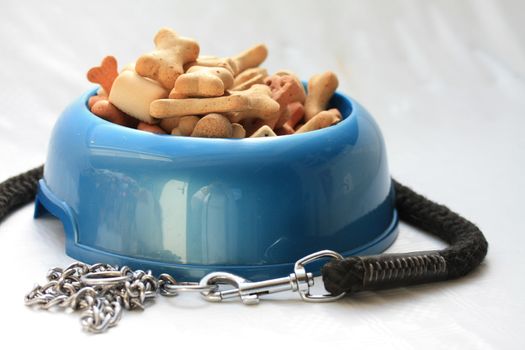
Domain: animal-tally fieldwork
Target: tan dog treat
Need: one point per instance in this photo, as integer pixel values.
(133, 94)
(105, 74)
(261, 105)
(250, 58)
(222, 73)
(105, 110)
(238, 131)
(167, 108)
(201, 81)
(296, 112)
(94, 99)
(264, 131)
(167, 61)
(213, 61)
(168, 124)
(150, 128)
(321, 87)
(213, 125)
(187, 124)
(176, 132)
(321, 120)
(249, 77)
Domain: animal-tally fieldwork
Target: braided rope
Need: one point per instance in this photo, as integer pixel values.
(19, 190)
(467, 249)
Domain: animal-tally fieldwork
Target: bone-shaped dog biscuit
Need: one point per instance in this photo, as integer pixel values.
(321, 120)
(249, 77)
(105, 74)
(201, 81)
(213, 61)
(105, 110)
(321, 87)
(133, 94)
(252, 103)
(166, 62)
(250, 58)
(168, 108)
(261, 105)
(285, 90)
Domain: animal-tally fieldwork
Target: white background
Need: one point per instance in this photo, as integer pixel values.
(445, 81)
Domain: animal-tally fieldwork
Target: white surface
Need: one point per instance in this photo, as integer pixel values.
(445, 81)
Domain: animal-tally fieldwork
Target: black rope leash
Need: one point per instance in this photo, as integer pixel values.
(467, 249)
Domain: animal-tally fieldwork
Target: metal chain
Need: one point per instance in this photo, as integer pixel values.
(102, 291)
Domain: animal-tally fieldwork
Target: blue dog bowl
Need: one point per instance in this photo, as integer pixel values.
(189, 206)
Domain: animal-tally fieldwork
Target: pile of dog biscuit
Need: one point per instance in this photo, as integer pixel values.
(173, 90)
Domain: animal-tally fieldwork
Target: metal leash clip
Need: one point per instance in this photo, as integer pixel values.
(299, 281)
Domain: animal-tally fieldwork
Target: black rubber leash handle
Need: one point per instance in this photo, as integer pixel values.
(467, 250)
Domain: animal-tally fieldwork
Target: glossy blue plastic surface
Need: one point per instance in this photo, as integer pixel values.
(189, 206)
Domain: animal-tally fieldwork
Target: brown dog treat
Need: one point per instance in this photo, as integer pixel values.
(213, 125)
(285, 90)
(264, 131)
(167, 108)
(258, 79)
(321, 120)
(238, 131)
(94, 99)
(213, 61)
(321, 87)
(249, 77)
(286, 87)
(201, 81)
(222, 73)
(284, 130)
(168, 124)
(284, 72)
(296, 112)
(150, 128)
(187, 124)
(166, 62)
(105, 110)
(261, 105)
(250, 58)
(105, 74)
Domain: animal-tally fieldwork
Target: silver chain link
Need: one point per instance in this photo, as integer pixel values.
(101, 291)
